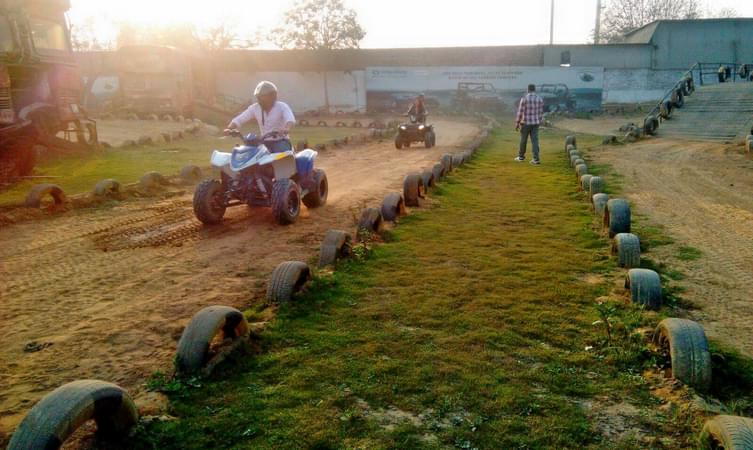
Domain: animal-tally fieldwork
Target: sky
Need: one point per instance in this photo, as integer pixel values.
(388, 23)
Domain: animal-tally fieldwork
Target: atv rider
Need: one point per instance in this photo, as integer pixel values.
(275, 118)
(418, 109)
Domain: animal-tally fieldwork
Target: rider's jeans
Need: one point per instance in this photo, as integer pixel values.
(283, 145)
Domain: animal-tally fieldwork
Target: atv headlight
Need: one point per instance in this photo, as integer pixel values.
(402, 127)
(421, 127)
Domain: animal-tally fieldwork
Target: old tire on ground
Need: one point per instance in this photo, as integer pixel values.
(303, 123)
(569, 148)
(650, 125)
(580, 170)
(321, 123)
(190, 174)
(427, 176)
(574, 152)
(571, 140)
(336, 245)
(574, 158)
(151, 181)
(287, 279)
(457, 160)
(688, 349)
(446, 162)
(318, 196)
(371, 220)
(57, 416)
(393, 207)
(286, 201)
(596, 186)
(578, 161)
(728, 432)
(438, 171)
(627, 248)
(599, 203)
(194, 345)
(645, 288)
(39, 192)
(617, 217)
(107, 188)
(413, 189)
(209, 202)
(584, 182)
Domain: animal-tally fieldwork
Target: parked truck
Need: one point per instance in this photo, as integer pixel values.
(40, 86)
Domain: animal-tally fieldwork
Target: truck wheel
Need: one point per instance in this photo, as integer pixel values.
(627, 247)
(318, 196)
(287, 279)
(688, 349)
(209, 202)
(728, 432)
(336, 245)
(617, 217)
(413, 189)
(393, 207)
(286, 201)
(40, 191)
(212, 324)
(59, 414)
(645, 288)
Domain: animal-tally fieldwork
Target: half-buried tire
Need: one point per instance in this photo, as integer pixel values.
(151, 181)
(627, 248)
(427, 176)
(574, 152)
(457, 160)
(571, 140)
(212, 325)
(413, 189)
(569, 148)
(688, 349)
(371, 221)
(190, 174)
(595, 186)
(287, 279)
(599, 203)
(617, 217)
(393, 207)
(336, 245)
(59, 414)
(575, 157)
(438, 172)
(585, 181)
(728, 432)
(580, 170)
(107, 188)
(446, 162)
(39, 192)
(645, 288)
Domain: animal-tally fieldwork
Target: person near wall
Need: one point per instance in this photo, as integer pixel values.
(722, 73)
(530, 116)
(744, 72)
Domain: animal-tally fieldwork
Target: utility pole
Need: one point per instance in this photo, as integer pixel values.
(551, 26)
(597, 28)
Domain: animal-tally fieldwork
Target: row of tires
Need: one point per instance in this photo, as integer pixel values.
(683, 89)
(212, 333)
(166, 136)
(376, 125)
(154, 117)
(47, 193)
(682, 342)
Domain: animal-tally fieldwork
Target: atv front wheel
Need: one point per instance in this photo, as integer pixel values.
(320, 189)
(209, 202)
(430, 139)
(286, 201)
(398, 143)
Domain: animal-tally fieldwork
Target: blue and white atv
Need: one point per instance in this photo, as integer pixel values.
(254, 176)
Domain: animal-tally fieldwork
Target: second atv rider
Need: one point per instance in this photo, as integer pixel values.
(418, 109)
(275, 118)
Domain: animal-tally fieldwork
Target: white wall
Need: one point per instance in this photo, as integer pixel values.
(637, 85)
(303, 91)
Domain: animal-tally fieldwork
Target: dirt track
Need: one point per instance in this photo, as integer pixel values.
(701, 193)
(111, 289)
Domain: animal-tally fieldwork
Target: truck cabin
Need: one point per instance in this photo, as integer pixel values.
(154, 80)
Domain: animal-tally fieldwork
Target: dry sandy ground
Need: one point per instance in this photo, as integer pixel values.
(701, 193)
(599, 125)
(116, 131)
(111, 289)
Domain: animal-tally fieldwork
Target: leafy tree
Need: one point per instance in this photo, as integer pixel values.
(622, 16)
(84, 37)
(319, 25)
(220, 36)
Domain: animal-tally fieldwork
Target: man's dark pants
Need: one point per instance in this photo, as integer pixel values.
(533, 131)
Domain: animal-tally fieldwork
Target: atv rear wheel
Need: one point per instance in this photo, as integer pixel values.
(209, 202)
(320, 189)
(286, 201)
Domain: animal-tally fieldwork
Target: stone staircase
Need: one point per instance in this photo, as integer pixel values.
(718, 112)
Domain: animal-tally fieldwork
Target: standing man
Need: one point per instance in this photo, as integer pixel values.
(530, 116)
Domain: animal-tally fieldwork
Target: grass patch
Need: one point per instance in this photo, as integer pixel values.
(687, 253)
(474, 326)
(78, 174)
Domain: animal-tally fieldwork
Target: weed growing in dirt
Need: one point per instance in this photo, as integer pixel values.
(687, 253)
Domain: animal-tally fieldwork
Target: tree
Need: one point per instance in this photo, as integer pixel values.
(623, 16)
(220, 36)
(724, 13)
(84, 37)
(319, 25)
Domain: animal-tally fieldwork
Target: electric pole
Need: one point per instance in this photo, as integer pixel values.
(597, 28)
(551, 25)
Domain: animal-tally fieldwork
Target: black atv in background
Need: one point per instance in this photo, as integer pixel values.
(416, 130)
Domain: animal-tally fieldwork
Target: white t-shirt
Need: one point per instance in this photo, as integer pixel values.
(277, 119)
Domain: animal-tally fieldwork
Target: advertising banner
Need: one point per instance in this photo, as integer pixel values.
(483, 88)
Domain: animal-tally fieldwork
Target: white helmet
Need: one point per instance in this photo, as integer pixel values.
(265, 88)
